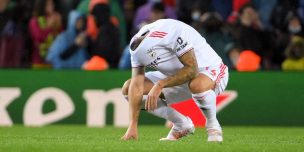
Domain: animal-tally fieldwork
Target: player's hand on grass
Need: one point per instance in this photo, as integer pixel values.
(131, 134)
(153, 96)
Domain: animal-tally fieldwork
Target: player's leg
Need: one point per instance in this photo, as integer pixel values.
(162, 109)
(205, 97)
(184, 125)
(203, 92)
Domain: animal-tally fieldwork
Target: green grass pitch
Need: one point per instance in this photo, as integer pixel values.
(80, 138)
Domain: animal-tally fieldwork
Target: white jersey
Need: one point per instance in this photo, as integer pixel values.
(168, 40)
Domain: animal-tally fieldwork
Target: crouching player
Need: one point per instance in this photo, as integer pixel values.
(186, 67)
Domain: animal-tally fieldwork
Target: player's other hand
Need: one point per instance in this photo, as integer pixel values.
(153, 96)
(131, 134)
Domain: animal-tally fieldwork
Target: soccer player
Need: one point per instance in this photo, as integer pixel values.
(185, 67)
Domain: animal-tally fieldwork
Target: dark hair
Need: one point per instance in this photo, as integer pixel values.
(158, 7)
(291, 15)
(213, 21)
(248, 5)
(101, 13)
(40, 5)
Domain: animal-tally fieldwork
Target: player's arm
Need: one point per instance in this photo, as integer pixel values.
(135, 94)
(187, 73)
(136, 90)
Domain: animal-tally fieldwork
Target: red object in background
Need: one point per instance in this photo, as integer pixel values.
(248, 61)
(96, 63)
(238, 4)
(190, 109)
(170, 3)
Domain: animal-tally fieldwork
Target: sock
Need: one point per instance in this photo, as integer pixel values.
(207, 102)
(166, 112)
(179, 121)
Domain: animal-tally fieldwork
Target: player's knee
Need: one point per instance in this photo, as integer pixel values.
(199, 85)
(196, 87)
(125, 87)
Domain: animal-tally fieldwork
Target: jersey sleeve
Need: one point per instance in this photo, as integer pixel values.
(135, 62)
(182, 43)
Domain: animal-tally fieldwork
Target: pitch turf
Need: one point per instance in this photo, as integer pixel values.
(80, 138)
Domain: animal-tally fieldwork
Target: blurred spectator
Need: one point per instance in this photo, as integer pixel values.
(280, 13)
(11, 40)
(107, 43)
(157, 12)
(67, 51)
(44, 26)
(129, 11)
(64, 8)
(301, 9)
(236, 6)
(249, 35)
(85, 6)
(265, 8)
(248, 29)
(117, 17)
(116, 11)
(234, 55)
(196, 13)
(14, 48)
(294, 54)
(215, 34)
(23, 14)
(125, 59)
(223, 7)
(292, 27)
(28, 28)
(190, 10)
(4, 13)
(143, 13)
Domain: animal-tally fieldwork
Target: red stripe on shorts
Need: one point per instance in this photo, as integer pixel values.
(221, 74)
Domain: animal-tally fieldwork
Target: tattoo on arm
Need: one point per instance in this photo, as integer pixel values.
(187, 73)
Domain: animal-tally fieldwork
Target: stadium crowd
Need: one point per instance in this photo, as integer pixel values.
(249, 35)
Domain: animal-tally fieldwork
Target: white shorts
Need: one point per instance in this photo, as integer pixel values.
(218, 73)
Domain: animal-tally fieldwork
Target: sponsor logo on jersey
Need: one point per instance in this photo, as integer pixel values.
(151, 52)
(158, 34)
